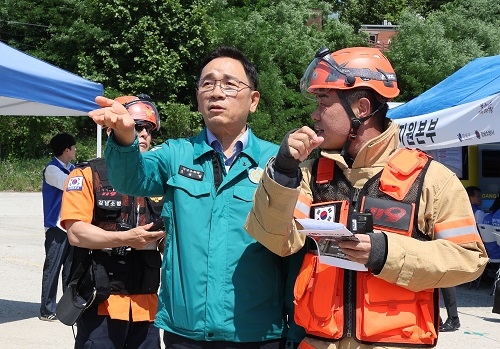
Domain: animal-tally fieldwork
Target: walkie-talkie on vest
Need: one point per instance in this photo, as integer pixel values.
(361, 223)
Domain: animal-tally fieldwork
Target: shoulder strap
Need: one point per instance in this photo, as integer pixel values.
(401, 171)
(82, 164)
(99, 165)
(324, 170)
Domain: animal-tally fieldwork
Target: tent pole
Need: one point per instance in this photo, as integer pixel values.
(99, 141)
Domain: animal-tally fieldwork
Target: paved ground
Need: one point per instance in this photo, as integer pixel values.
(21, 263)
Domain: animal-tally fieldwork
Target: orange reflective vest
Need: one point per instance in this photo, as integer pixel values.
(332, 303)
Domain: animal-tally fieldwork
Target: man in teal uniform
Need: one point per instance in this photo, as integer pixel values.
(220, 288)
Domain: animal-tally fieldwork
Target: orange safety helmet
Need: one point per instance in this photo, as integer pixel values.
(354, 67)
(141, 108)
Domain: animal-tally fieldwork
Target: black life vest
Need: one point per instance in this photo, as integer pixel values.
(137, 271)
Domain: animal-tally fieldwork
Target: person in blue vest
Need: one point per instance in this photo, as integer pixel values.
(493, 249)
(493, 218)
(219, 287)
(58, 252)
(476, 200)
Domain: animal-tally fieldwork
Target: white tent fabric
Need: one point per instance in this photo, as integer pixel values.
(461, 110)
(465, 124)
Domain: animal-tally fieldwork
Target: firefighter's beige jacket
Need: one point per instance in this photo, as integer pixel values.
(415, 265)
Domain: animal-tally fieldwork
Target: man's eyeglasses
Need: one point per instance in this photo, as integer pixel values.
(230, 87)
(147, 127)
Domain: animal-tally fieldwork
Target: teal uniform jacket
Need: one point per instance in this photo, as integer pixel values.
(217, 282)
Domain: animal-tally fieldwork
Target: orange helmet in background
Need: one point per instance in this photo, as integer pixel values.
(141, 108)
(354, 67)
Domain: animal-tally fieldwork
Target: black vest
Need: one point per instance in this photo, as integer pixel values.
(134, 272)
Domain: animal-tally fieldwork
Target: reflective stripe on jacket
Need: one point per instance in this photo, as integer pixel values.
(412, 264)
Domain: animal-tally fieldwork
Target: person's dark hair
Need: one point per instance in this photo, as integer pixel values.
(377, 103)
(472, 190)
(496, 205)
(355, 94)
(60, 142)
(234, 53)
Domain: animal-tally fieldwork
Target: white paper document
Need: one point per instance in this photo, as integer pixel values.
(326, 236)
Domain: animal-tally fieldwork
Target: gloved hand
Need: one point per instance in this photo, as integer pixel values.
(285, 163)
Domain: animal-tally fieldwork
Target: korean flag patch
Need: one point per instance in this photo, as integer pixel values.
(75, 183)
(325, 213)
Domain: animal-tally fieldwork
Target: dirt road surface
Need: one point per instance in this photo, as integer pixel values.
(21, 264)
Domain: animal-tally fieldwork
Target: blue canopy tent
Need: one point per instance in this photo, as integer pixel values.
(33, 87)
(30, 86)
(461, 110)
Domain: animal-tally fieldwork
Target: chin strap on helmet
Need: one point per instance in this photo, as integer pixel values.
(355, 124)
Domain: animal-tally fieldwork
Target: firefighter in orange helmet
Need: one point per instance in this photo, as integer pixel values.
(123, 233)
(353, 69)
(421, 236)
(142, 109)
(145, 115)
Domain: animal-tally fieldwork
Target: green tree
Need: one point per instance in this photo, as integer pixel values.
(427, 50)
(129, 46)
(155, 47)
(146, 46)
(275, 36)
(358, 12)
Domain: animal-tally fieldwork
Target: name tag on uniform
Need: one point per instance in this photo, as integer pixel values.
(189, 173)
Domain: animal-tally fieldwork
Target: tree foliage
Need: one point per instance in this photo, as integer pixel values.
(147, 46)
(155, 46)
(275, 36)
(358, 12)
(427, 50)
(131, 47)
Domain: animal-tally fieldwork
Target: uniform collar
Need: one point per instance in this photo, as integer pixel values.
(240, 144)
(202, 145)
